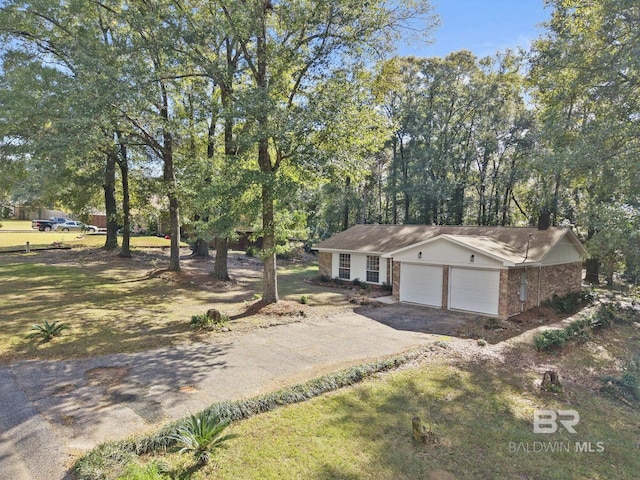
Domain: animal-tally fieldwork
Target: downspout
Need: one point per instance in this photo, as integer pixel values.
(539, 282)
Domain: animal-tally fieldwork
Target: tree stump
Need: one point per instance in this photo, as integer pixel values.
(418, 430)
(551, 381)
(422, 434)
(214, 315)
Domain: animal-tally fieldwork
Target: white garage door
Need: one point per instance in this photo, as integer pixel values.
(421, 284)
(474, 290)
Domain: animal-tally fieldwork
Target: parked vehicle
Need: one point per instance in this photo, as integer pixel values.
(47, 225)
(72, 225)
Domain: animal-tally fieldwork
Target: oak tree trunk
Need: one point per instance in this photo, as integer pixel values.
(201, 248)
(125, 250)
(110, 204)
(592, 275)
(220, 270)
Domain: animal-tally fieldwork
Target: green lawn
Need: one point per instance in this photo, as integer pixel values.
(113, 305)
(476, 411)
(36, 239)
(10, 224)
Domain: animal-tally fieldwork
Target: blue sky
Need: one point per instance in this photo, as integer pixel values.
(482, 26)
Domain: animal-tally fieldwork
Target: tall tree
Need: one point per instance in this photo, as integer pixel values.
(287, 48)
(586, 78)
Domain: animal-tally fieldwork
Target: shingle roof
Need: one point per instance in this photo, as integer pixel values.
(509, 243)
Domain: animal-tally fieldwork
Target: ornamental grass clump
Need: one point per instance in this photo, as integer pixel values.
(201, 434)
(47, 330)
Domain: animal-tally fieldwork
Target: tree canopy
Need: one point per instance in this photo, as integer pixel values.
(291, 118)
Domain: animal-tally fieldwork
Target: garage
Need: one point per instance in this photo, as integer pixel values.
(421, 284)
(474, 290)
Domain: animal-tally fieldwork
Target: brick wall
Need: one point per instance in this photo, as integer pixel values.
(396, 280)
(325, 263)
(503, 298)
(560, 280)
(553, 279)
(445, 287)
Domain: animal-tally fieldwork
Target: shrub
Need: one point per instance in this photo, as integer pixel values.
(325, 278)
(571, 302)
(304, 299)
(387, 287)
(252, 251)
(47, 330)
(205, 322)
(201, 434)
(580, 329)
(201, 322)
(360, 284)
(605, 316)
(628, 385)
(492, 323)
(550, 339)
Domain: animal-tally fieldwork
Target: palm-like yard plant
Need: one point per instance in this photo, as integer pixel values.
(47, 330)
(201, 434)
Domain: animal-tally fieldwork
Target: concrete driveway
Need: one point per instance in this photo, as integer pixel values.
(418, 318)
(51, 411)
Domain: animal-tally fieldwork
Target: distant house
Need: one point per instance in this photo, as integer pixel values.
(497, 271)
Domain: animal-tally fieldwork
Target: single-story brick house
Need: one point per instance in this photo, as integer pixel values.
(497, 271)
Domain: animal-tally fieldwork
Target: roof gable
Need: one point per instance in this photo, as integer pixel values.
(514, 245)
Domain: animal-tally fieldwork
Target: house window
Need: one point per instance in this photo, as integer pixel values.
(344, 268)
(373, 269)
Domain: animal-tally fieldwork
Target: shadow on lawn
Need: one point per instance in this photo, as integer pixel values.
(466, 410)
(476, 409)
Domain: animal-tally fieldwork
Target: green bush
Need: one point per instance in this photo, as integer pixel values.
(550, 339)
(605, 316)
(579, 329)
(360, 284)
(570, 303)
(201, 434)
(615, 313)
(628, 385)
(205, 322)
(304, 300)
(201, 322)
(252, 251)
(631, 374)
(47, 330)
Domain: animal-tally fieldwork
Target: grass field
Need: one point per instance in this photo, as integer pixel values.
(9, 224)
(475, 411)
(14, 234)
(114, 304)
